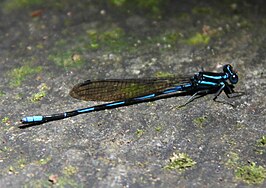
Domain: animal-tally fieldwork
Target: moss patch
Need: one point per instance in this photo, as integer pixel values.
(2, 93)
(200, 121)
(43, 161)
(158, 129)
(70, 170)
(180, 162)
(251, 174)
(112, 38)
(139, 132)
(233, 160)
(66, 59)
(38, 96)
(262, 141)
(18, 75)
(198, 38)
(17, 166)
(5, 120)
(261, 145)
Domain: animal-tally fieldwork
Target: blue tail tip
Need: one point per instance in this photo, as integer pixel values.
(32, 119)
(23, 120)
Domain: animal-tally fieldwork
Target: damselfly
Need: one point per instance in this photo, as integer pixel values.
(130, 91)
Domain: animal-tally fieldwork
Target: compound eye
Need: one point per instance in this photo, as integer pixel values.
(227, 68)
(233, 79)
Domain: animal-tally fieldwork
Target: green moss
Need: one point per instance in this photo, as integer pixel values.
(233, 160)
(200, 121)
(40, 46)
(251, 174)
(112, 39)
(180, 162)
(139, 132)
(197, 39)
(65, 59)
(158, 129)
(18, 75)
(21, 163)
(70, 170)
(113, 34)
(240, 126)
(17, 4)
(63, 50)
(38, 96)
(5, 120)
(12, 170)
(261, 145)
(16, 166)
(2, 93)
(6, 149)
(262, 141)
(94, 45)
(44, 161)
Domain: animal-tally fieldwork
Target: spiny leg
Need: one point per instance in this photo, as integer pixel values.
(230, 93)
(220, 91)
(196, 95)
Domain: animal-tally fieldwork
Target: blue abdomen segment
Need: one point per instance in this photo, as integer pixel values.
(86, 110)
(145, 97)
(178, 88)
(172, 90)
(116, 103)
(32, 119)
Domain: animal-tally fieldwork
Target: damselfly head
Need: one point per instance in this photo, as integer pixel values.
(232, 76)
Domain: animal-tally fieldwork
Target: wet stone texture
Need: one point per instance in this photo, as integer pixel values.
(49, 46)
